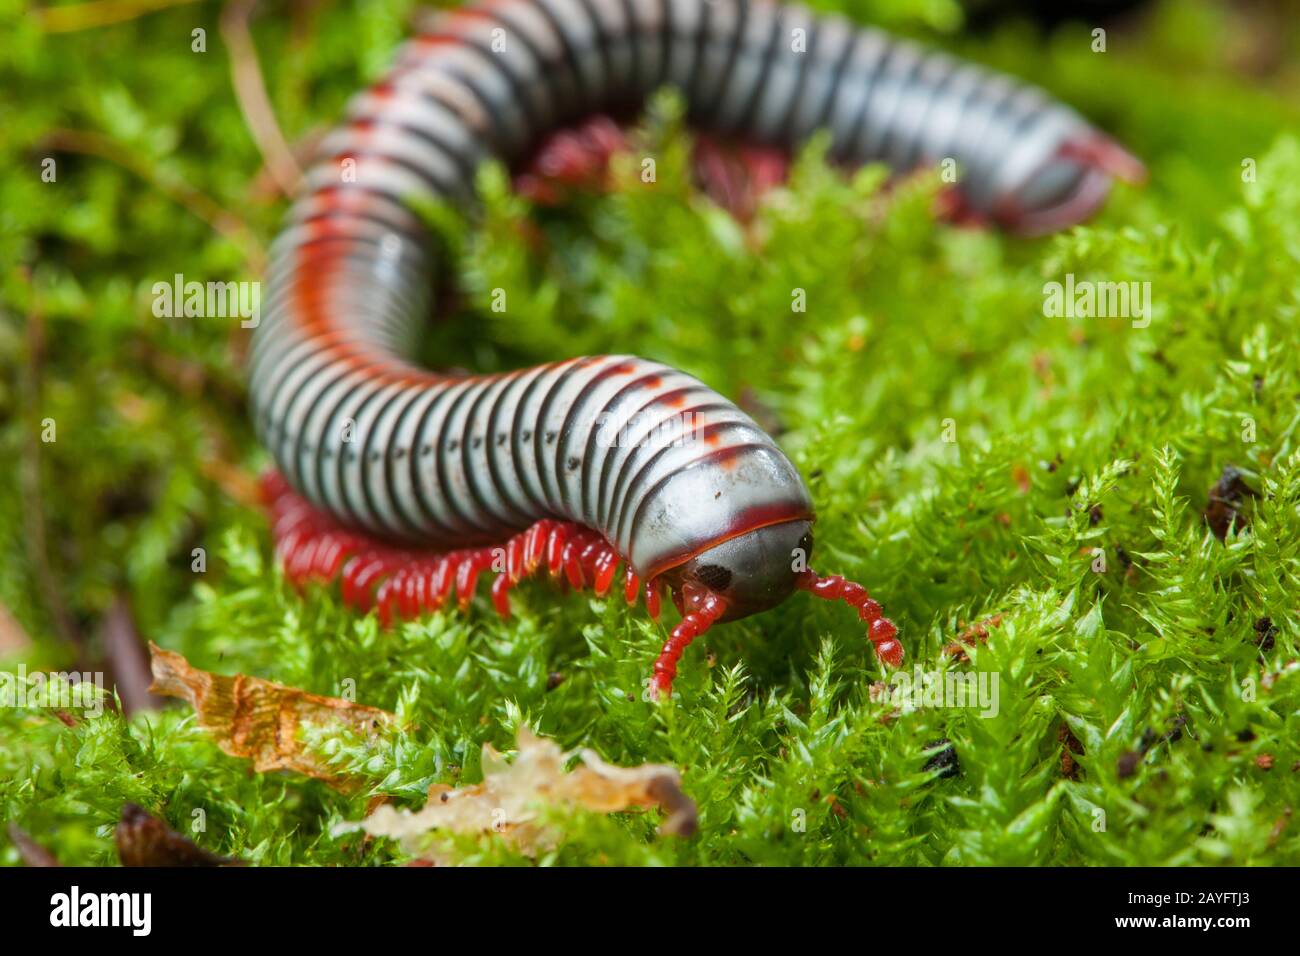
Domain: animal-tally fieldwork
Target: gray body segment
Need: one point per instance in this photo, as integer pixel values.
(650, 457)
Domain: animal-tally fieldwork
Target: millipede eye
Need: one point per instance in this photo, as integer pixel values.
(806, 543)
(713, 576)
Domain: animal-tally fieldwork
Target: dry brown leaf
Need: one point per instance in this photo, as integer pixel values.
(13, 639)
(29, 851)
(259, 720)
(144, 840)
(1227, 502)
(513, 798)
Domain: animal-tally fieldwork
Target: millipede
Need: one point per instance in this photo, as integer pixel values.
(410, 486)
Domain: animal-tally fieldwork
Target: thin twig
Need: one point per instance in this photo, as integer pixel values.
(127, 658)
(254, 104)
(33, 504)
(99, 13)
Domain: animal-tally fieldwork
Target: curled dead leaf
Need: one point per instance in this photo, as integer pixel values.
(144, 840)
(513, 798)
(262, 721)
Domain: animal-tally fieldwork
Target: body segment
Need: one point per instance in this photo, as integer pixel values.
(654, 462)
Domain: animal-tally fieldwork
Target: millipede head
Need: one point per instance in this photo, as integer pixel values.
(752, 571)
(1068, 186)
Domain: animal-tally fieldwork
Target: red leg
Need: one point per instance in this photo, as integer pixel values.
(700, 608)
(576, 159)
(880, 629)
(736, 175)
(952, 206)
(403, 582)
(573, 159)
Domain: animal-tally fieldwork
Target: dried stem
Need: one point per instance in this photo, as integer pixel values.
(99, 13)
(254, 104)
(33, 503)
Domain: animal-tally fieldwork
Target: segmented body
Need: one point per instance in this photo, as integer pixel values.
(658, 466)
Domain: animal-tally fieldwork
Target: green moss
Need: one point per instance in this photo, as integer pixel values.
(1074, 438)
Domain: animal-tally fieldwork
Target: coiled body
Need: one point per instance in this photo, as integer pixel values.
(654, 461)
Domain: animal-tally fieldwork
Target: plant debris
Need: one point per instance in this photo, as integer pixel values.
(513, 797)
(1265, 634)
(259, 720)
(126, 658)
(945, 760)
(31, 852)
(1127, 764)
(13, 639)
(978, 632)
(1227, 497)
(1071, 747)
(144, 840)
